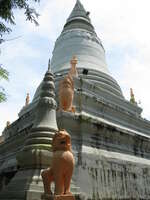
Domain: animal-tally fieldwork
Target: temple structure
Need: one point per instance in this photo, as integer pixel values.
(110, 139)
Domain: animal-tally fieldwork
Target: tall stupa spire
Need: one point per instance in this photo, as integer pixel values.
(79, 38)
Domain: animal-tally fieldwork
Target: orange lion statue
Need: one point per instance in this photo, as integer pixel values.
(66, 94)
(66, 88)
(62, 166)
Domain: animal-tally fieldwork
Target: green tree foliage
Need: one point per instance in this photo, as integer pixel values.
(7, 8)
(3, 75)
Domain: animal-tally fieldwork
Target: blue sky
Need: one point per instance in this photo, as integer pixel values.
(123, 27)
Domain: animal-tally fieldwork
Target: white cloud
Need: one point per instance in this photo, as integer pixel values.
(135, 74)
(124, 25)
(53, 15)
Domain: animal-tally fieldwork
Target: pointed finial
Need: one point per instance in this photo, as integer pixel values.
(132, 98)
(74, 61)
(27, 99)
(78, 12)
(73, 70)
(49, 64)
(7, 124)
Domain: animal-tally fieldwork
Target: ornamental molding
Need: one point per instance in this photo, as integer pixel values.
(48, 101)
(80, 34)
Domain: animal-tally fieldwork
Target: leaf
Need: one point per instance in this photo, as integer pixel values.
(3, 73)
(2, 97)
(4, 29)
(32, 15)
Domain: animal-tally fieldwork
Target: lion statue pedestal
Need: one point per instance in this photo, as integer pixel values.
(57, 197)
(61, 169)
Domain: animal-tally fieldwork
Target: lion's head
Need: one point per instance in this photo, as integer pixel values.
(61, 141)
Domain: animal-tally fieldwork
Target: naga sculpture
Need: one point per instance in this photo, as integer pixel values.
(66, 88)
(7, 124)
(132, 98)
(27, 99)
(62, 166)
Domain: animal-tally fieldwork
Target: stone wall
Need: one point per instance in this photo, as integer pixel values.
(111, 162)
(108, 175)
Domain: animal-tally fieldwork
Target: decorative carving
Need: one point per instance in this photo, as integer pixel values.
(81, 34)
(7, 124)
(27, 99)
(66, 88)
(48, 101)
(62, 166)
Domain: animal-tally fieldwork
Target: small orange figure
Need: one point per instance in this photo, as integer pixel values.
(62, 166)
(27, 99)
(66, 94)
(66, 88)
(7, 124)
(132, 98)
